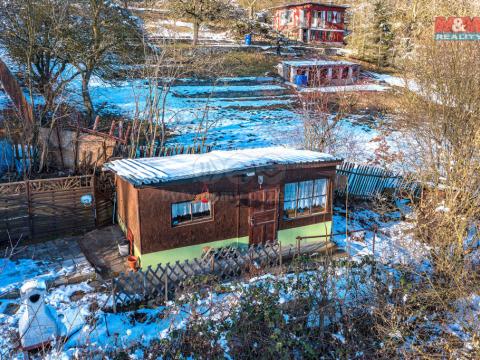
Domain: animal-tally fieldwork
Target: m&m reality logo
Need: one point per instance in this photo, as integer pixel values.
(457, 28)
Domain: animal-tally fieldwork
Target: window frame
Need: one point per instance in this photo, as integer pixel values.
(323, 18)
(286, 17)
(297, 199)
(192, 221)
(339, 17)
(329, 16)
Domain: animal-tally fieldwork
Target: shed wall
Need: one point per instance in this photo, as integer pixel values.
(230, 210)
(127, 210)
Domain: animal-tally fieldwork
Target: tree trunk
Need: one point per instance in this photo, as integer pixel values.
(87, 100)
(196, 26)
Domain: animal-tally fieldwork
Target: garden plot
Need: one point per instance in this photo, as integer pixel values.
(234, 115)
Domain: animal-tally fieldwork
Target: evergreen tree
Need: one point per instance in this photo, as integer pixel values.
(383, 35)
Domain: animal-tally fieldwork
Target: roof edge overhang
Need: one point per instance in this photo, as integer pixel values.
(242, 172)
(305, 3)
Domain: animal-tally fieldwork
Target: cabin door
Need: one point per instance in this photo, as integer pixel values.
(263, 215)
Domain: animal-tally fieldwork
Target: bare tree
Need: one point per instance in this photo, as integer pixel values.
(101, 38)
(443, 122)
(200, 12)
(34, 33)
(321, 113)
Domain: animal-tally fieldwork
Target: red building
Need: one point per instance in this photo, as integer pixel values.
(311, 22)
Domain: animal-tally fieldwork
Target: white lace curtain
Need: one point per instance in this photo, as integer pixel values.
(305, 194)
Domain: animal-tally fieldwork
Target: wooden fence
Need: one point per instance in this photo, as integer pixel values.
(165, 280)
(47, 208)
(367, 182)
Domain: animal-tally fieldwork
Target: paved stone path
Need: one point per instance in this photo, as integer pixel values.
(64, 254)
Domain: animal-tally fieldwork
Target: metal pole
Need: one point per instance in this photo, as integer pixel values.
(166, 287)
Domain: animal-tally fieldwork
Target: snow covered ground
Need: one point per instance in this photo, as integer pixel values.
(86, 325)
(174, 29)
(237, 116)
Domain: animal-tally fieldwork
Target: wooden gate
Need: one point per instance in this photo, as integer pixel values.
(49, 208)
(263, 215)
(104, 198)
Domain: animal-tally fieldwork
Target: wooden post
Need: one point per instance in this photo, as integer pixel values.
(95, 124)
(298, 245)
(346, 221)
(30, 214)
(112, 128)
(120, 129)
(114, 297)
(280, 259)
(374, 239)
(212, 263)
(59, 145)
(166, 287)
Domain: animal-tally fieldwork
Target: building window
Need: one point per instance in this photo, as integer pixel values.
(286, 17)
(305, 198)
(323, 18)
(318, 19)
(338, 17)
(329, 16)
(190, 211)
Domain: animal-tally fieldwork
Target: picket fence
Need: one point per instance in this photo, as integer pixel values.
(368, 182)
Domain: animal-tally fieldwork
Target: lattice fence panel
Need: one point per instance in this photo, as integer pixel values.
(165, 280)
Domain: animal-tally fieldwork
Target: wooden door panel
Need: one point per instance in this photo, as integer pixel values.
(263, 215)
(270, 230)
(256, 235)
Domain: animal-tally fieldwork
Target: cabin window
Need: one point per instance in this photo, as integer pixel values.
(305, 198)
(338, 17)
(190, 211)
(329, 16)
(318, 19)
(286, 17)
(323, 18)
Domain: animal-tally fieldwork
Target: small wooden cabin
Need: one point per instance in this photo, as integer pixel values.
(311, 22)
(320, 72)
(175, 207)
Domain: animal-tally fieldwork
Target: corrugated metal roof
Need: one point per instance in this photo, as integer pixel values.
(318, 63)
(189, 166)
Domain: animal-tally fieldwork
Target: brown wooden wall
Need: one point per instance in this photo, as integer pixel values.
(127, 208)
(151, 208)
(42, 209)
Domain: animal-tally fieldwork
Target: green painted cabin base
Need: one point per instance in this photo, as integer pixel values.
(289, 236)
(285, 237)
(187, 252)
